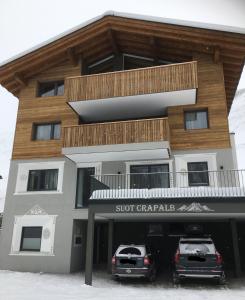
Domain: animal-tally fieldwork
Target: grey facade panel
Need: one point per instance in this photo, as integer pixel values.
(57, 204)
(66, 257)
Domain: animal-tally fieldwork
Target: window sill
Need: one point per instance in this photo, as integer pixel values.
(197, 129)
(30, 253)
(38, 193)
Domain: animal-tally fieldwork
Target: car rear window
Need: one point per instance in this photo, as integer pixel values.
(195, 247)
(130, 250)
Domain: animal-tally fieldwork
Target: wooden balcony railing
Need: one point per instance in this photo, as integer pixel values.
(123, 132)
(151, 80)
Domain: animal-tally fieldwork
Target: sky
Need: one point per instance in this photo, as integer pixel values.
(26, 23)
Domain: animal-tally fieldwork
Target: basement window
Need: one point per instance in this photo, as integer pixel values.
(51, 88)
(31, 238)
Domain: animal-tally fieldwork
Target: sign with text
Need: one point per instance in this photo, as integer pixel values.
(160, 208)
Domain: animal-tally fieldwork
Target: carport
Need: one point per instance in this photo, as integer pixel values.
(207, 211)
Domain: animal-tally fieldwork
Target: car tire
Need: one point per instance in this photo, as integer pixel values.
(116, 278)
(176, 279)
(153, 276)
(222, 279)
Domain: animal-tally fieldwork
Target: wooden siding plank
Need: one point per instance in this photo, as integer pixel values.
(123, 132)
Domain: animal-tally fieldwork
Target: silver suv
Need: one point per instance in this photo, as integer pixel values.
(133, 261)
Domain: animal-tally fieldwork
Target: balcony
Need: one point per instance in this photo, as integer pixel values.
(195, 184)
(137, 93)
(146, 139)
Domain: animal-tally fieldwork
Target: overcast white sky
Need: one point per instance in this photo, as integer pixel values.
(23, 24)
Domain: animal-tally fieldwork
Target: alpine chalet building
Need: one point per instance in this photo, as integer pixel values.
(122, 134)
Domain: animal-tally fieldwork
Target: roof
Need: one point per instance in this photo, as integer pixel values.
(132, 32)
(130, 16)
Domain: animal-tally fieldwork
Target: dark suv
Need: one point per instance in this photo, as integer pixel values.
(133, 261)
(198, 258)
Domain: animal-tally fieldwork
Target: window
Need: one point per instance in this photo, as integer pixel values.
(198, 173)
(49, 131)
(42, 180)
(196, 119)
(83, 186)
(31, 238)
(149, 176)
(53, 88)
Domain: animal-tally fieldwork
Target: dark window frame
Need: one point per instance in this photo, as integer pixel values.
(196, 111)
(86, 191)
(52, 124)
(22, 239)
(149, 166)
(205, 172)
(29, 189)
(56, 84)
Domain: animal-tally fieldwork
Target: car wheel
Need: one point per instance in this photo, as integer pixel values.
(153, 276)
(222, 280)
(116, 278)
(176, 279)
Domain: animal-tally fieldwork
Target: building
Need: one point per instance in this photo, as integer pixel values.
(121, 135)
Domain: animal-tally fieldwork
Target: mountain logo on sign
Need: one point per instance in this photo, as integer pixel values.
(195, 207)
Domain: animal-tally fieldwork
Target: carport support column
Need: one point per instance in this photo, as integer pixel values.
(89, 248)
(236, 248)
(110, 244)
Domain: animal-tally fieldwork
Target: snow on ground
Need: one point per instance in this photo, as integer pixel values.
(29, 286)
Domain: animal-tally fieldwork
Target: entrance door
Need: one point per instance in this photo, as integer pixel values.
(83, 186)
(149, 176)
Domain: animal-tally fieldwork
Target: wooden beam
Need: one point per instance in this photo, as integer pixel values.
(72, 56)
(19, 78)
(112, 39)
(216, 54)
(84, 69)
(155, 52)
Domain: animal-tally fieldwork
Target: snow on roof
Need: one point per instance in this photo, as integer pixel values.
(181, 22)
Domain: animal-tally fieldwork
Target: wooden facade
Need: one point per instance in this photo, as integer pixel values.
(174, 77)
(124, 132)
(211, 96)
(33, 109)
(208, 60)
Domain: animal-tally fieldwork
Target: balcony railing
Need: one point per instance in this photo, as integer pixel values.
(123, 132)
(150, 80)
(229, 183)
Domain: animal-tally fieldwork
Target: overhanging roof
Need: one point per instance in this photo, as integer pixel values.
(137, 106)
(119, 152)
(133, 33)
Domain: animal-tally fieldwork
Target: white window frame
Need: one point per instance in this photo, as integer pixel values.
(150, 162)
(47, 222)
(181, 166)
(23, 175)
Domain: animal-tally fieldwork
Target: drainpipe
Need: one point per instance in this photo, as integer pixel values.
(233, 147)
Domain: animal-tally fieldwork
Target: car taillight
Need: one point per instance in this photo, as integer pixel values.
(146, 261)
(219, 259)
(177, 257)
(113, 260)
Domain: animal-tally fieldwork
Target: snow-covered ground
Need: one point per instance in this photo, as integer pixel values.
(29, 286)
